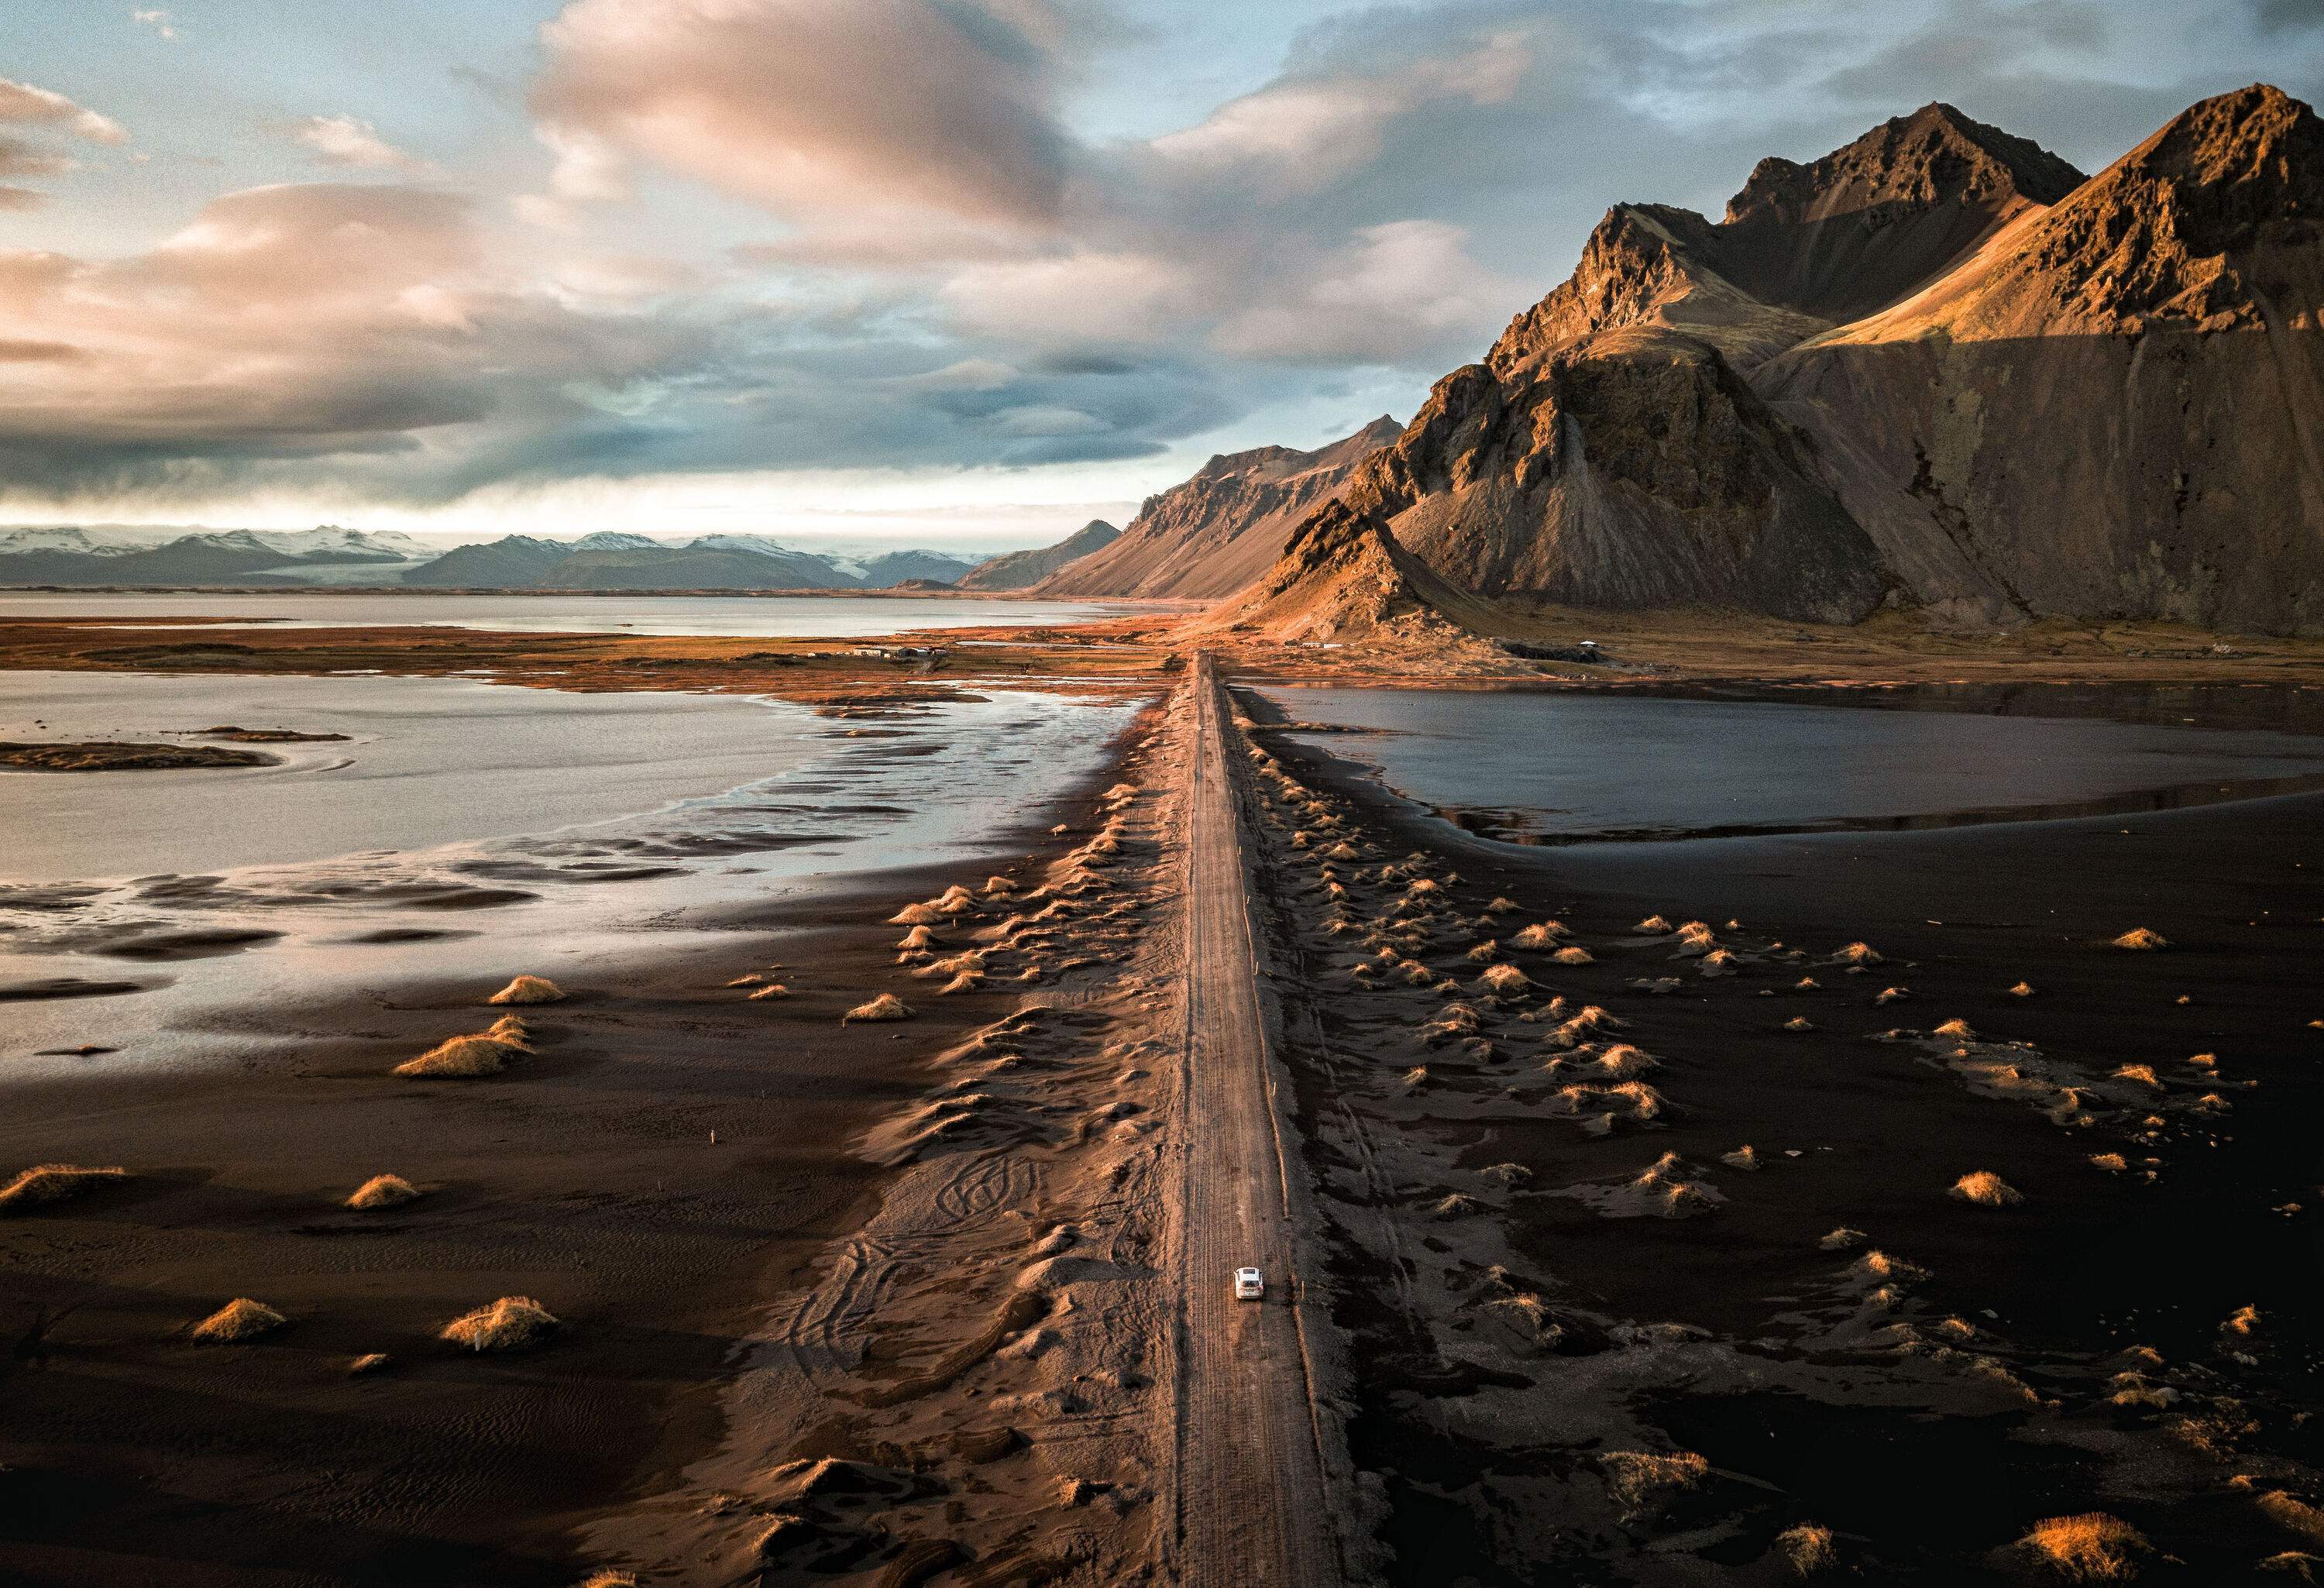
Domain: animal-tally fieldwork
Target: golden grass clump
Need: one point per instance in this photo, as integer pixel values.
(528, 990)
(2297, 1515)
(239, 1319)
(1842, 1238)
(53, 1182)
(1958, 1030)
(1986, 1189)
(370, 1361)
(609, 1578)
(916, 915)
(1542, 935)
(1574, 956)
(2140, 939)
(1892, 994)
(2114, 1163)
(1859, 954)
(1637, 1478)
(1506, 980)
(2022, 990)
(481, 1053)
(2091, 1547)
(1799, 1022)
(1503, 905)
(1655, 926)
(1742, 1157)
(508, 1324)
(2244, 1320)
(2143, 1073)
(384, 1191)
(994, 887)
(920, 937)
(886, 1007)
(1807, 1548)
(772, 990)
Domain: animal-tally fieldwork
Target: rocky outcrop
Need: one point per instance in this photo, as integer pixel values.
(1935, 368)
(2117, 407)
(1020, 570)
(1219, 530)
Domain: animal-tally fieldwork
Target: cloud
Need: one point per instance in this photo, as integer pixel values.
(809, 106)
(1396, 292)
(293, 321)
(159, 21)
(24, 103)
(20, 199)
(2290, 16)
(1310, 129)
(20, 158)
(344, 140)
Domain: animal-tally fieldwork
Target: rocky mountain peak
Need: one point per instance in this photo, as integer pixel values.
(1933, 156)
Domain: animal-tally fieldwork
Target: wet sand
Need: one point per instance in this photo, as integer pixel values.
(1523, 1348)
(587, 1175)
(908, 1315)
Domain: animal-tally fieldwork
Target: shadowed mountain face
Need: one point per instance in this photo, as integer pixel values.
(1222, 529)
(1936, 367)
(1020, 570)
(71, 557)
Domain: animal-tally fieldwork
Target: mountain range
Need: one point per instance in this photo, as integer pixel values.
(606, 559)
(71, 555)
(1937, 369)
(1215, 533)
(1021, 570)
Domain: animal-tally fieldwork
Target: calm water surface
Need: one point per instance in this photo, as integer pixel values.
(1570, 767)
(792, 617)
(464, 830)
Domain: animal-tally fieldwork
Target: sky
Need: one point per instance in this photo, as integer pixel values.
(944, 272)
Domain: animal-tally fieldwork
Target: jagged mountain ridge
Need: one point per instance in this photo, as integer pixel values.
(1021, 570)
(63, 555)
(1218, 530)
(2045, 411)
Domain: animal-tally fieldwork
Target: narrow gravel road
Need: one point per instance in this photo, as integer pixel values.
(1252, 1507)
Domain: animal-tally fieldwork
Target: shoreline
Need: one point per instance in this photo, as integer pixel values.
(548, 1181)
(1502, 1212)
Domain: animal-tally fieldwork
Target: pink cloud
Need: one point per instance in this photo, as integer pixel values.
(808, 106)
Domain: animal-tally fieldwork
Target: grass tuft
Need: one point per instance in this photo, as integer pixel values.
(1986, 1189)
(507, 1324)
(239, 1319)
(384, 1191)
(1807, 1548)
(2091, 1547)
(53, 1182)
(528, 990)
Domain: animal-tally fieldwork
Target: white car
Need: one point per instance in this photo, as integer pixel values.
(1249, 1285)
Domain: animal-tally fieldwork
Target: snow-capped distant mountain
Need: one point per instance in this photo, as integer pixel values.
(615, 541)
(71, 555)
(763, 545)
(69, 538)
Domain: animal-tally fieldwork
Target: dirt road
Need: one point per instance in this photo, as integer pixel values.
(1252, 1504)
